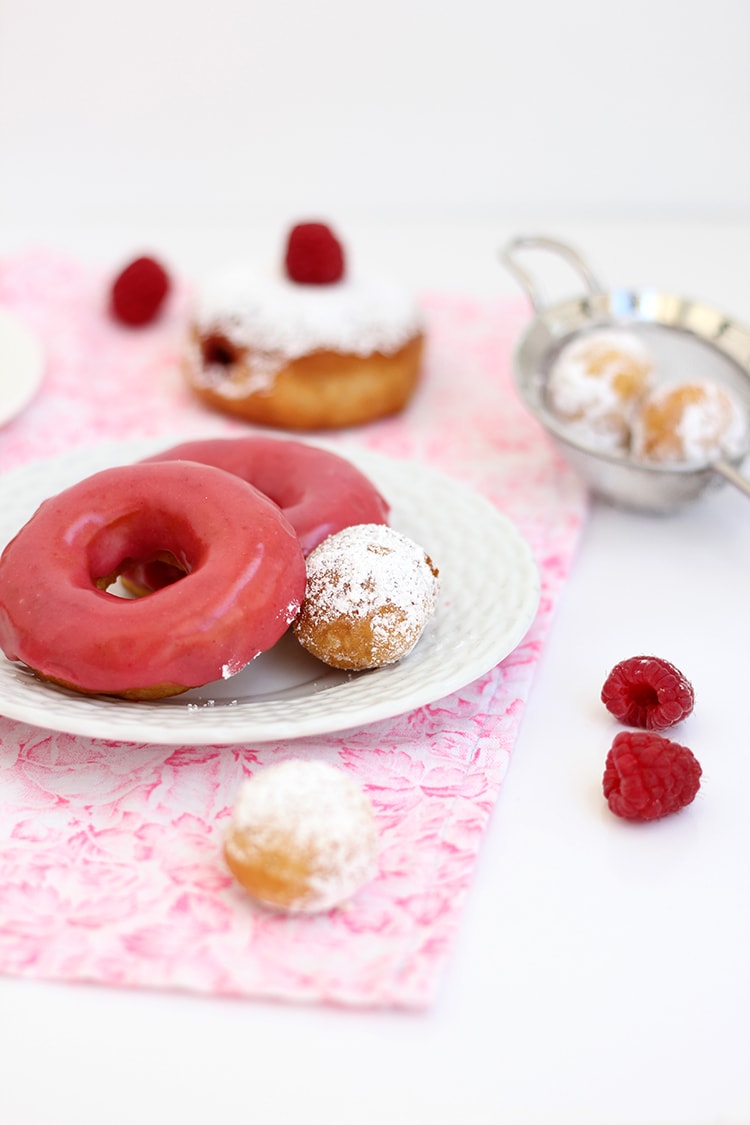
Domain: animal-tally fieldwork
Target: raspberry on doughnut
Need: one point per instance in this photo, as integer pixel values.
(242, 585)
(314, 255)
(316, 345)
(318, 491)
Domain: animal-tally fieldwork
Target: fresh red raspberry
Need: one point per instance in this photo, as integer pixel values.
(314, 256)
(646, 691)
(647, 776)
(139, 291)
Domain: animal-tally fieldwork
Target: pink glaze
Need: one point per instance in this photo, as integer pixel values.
(243, 583)
(318, 492)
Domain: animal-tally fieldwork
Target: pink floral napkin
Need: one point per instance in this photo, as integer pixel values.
(110, 853)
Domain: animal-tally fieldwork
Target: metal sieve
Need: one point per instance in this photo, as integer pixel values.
(687, 338)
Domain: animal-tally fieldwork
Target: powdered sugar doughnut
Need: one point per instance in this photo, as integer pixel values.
(302, 837)
(596, 383)
(370, 592)
(304, 357)
(690, 422)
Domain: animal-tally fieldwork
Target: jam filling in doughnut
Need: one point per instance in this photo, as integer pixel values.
(218, 351)
(313, 345)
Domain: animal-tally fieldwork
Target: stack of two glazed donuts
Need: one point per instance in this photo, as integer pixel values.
(220, 530)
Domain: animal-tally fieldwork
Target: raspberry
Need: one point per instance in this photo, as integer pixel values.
(646, 691)
(138, 292)
(647, 776)
(314, 256)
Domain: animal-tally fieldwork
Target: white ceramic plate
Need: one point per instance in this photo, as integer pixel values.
(488, 599)
(21, 365)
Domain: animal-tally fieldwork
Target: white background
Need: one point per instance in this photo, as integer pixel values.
(601, 976)
(230, 110)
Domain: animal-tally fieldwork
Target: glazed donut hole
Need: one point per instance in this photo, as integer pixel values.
(370, 592)
(613, 396)
(302, 837)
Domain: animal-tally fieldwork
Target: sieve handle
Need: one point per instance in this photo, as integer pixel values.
(509, 257)
(724, 469)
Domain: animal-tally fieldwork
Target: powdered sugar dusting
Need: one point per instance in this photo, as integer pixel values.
(231, 668)
(596, 383)
(257, 372)
(292, 611)
(315, 815)
(372, 572)
(268, 313)
(72, 807)
(703, 421)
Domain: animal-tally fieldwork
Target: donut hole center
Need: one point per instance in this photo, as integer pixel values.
(217, 351)
(142, 552)
(137, 578)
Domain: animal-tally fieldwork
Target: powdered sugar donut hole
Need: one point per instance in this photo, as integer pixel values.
(596, 383)
(370, 592)
(302, 837)
(690, 423)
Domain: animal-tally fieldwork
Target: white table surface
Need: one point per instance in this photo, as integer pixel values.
(601, 975)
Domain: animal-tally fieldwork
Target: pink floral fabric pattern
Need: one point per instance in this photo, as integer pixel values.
(110, 853)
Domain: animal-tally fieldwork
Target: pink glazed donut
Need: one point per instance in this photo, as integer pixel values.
(318, 491)
(242, 581)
